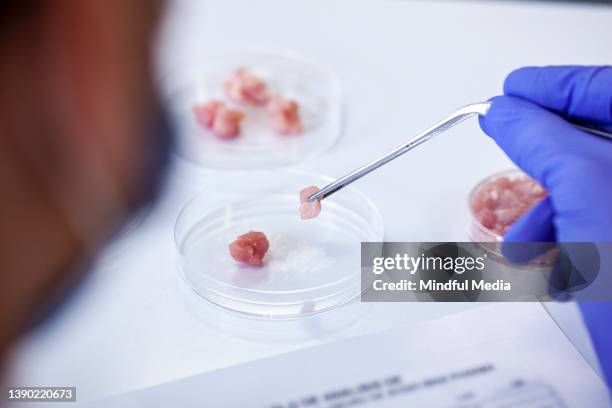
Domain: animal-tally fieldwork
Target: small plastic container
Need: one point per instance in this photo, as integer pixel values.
(476, 231)
(490, 240)
(311, 266)
(316, 89)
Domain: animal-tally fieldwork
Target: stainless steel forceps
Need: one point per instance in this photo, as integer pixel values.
(448, 122)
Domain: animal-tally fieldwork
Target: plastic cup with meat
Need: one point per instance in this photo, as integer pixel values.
(245, 88)
(500, 202)
(224, 122)
(250, 248)
(309, 209)
(284, 116)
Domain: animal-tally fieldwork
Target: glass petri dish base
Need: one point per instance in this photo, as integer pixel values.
(316, 89)
(312, 266)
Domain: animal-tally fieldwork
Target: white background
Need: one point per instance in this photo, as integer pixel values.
(403, 65)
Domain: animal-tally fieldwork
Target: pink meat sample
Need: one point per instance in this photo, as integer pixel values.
(245, 88)
(309, 209)
(227, 123)
(250, 248)
(205, 113)
(221, 120)
(501, 202)
(284, 116)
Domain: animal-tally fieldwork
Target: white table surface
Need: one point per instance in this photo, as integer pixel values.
(403, 65)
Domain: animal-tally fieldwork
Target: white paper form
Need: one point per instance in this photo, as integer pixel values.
(505, 355)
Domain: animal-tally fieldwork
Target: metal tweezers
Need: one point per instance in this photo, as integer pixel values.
(448, 122)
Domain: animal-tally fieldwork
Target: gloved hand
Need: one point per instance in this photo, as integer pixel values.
(529, 124)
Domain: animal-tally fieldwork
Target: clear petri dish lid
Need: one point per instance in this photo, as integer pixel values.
(316, 89)
(311, 266)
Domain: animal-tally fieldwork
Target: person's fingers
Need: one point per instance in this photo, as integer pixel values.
(537, 140)
(575, 92)
(536, 225)
(532, 235)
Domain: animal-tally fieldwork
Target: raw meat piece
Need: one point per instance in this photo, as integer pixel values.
(205, 114)
(501, 202)
(308, 209)
(284, 116)
(244, 87)
(227, 123)
(221, 120)
(250, 248)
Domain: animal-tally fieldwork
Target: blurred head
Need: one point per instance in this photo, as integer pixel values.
(82, 140)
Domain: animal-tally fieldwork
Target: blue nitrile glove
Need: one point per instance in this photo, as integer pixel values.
(574, 166)
(529, 124)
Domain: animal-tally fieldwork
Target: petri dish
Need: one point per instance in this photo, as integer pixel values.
(312, 265)
(312, 85)
(279, 331)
